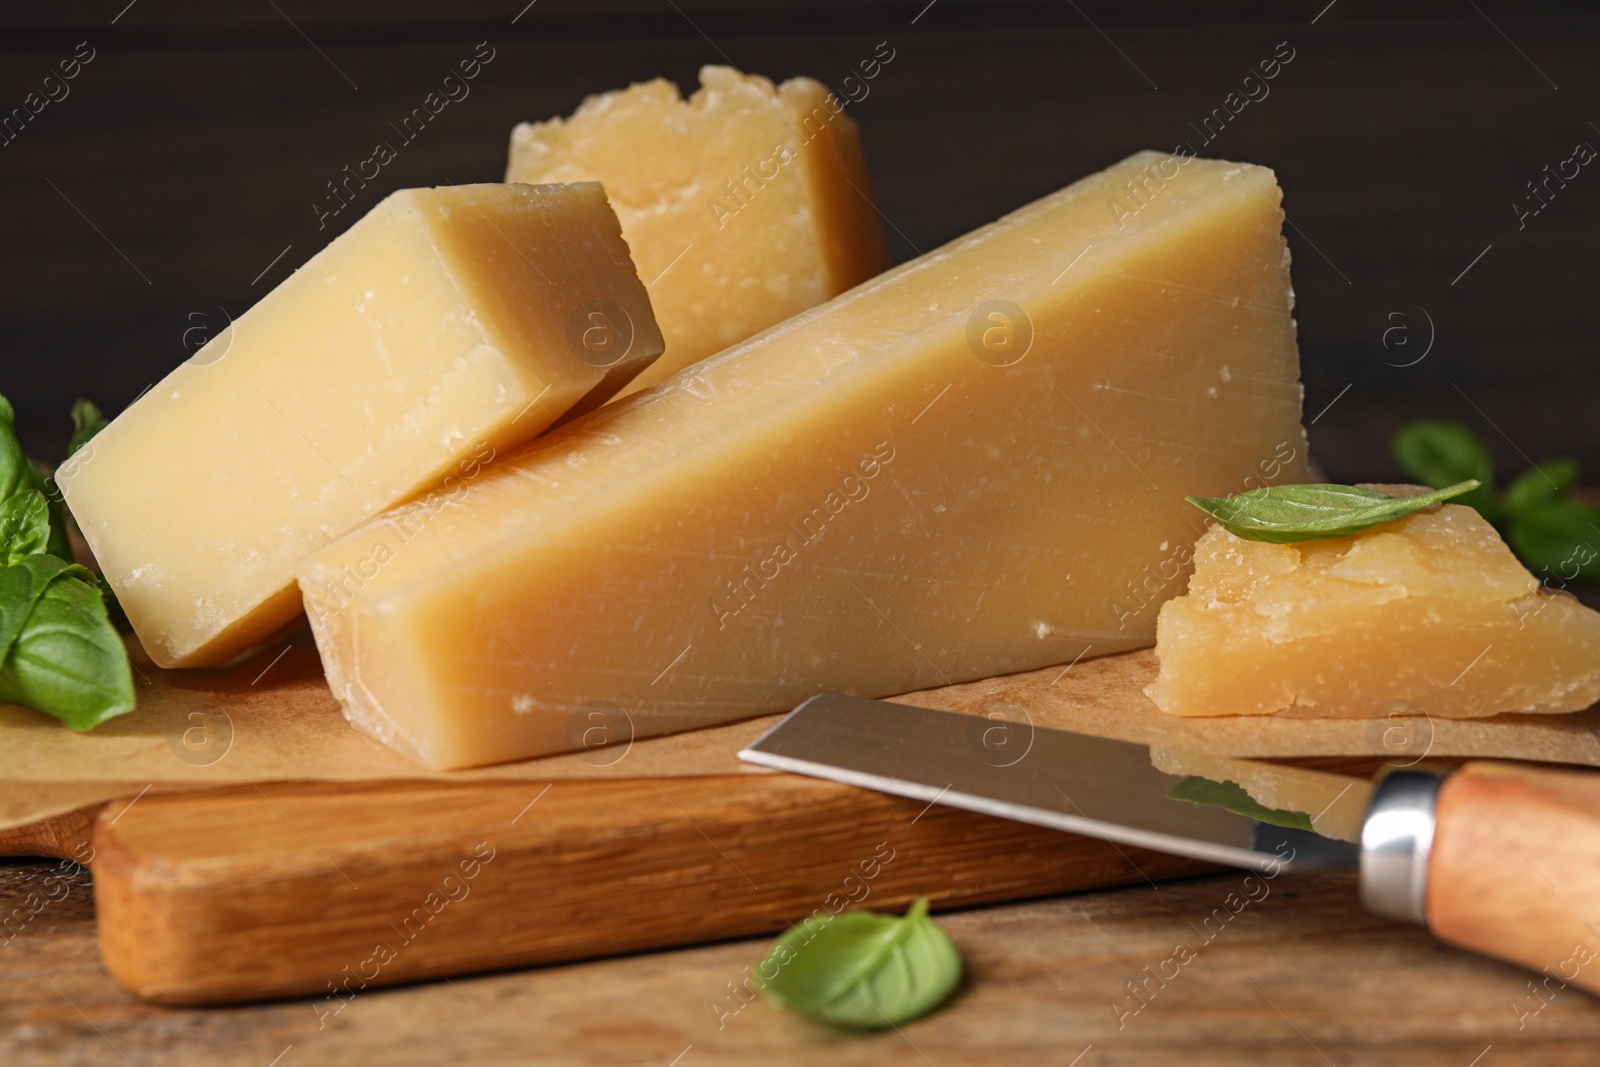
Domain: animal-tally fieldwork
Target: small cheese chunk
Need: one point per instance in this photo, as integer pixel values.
(971, 465)
(1429, 615)
(743, 205)
(445, 326)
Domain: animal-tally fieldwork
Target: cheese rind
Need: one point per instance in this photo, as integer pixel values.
(971, 465)
(1428, 615)
(445, 326)
(743, 205)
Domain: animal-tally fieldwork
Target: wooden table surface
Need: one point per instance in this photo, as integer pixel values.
(1299, 975)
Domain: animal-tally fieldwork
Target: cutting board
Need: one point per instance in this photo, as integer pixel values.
(277, 890)
(294, 888)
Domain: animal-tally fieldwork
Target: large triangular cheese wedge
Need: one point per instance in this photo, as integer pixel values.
(970, 465)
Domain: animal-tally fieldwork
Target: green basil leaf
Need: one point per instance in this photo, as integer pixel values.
(56, 509)
(1283, 514)
(17, 472)
(114, 612)
(861, 969)
(62, 656)
(1540, 485)
(1561, 539)
(1231, 796)
(21, 586)
(1437, 453)
(87, 421)
(16, 469)
(24, 526)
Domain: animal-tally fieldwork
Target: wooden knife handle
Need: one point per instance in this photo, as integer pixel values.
(1515, 871)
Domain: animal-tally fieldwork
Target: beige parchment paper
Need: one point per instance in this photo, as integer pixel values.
(272, 718)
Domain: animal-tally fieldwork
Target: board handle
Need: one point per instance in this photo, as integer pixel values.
(66, 836)
(1504, 860)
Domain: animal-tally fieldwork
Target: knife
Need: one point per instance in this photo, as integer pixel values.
(1497, 858)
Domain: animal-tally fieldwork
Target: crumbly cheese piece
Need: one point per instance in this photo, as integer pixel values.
(442, 328)
(1429, 615)
(970, 465)
(743, 205)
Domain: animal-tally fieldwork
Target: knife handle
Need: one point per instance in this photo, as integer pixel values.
(1512, 869)
(1515, 871)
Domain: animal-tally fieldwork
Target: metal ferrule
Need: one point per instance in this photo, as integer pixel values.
(1396, 842)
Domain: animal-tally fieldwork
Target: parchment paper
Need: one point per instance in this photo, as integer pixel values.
(272, 718)
(1105, 697)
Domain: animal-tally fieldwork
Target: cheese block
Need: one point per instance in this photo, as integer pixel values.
(1428, 615)
(442, 328)
(743, 205)
(970, 465)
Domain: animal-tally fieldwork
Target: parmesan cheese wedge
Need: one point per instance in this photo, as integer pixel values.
(443, 327)
(1430, 615)
(971, 465)
(743, 205)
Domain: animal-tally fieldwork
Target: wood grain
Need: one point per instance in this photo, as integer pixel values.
(1515, 870)
(1042, 978)
(284, 890)
(67, 836)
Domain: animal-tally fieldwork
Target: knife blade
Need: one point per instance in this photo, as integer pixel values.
(1069, 781)
(1498, 858)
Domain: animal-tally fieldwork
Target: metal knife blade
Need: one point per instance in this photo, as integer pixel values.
(1056, 778)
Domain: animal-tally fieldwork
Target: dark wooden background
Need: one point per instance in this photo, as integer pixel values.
(191, 150)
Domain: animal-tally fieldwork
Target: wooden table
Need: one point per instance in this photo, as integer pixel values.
(1301, 976)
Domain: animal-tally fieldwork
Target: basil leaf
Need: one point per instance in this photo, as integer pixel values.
(1544, 484)
(861, 969)
(16, 470)
(58, 651)
(87, 421)
(55, 511)
(24, 526)
(1438, 453)
(1231, 796)
(21, 586)
(114, 612)
(1561, 538)
(1283, 514)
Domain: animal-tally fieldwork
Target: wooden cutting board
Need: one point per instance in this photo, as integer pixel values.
(294, 888)
(277, 890)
